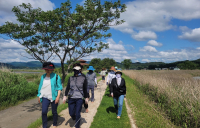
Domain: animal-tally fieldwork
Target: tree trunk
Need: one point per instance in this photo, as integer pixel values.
(63, 81)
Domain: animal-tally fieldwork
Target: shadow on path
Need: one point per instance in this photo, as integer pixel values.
(111, 109)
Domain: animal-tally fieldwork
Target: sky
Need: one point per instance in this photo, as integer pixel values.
(154, 31)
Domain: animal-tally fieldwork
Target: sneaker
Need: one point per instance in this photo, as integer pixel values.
(118, 117)
(86, 110)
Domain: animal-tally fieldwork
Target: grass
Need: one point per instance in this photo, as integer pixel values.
(106, 116)
(146, 113)
(177, 93)
(14, 88)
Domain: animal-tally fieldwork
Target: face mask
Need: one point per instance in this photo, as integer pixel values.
(118, 75)
(90, 71)
(76, 72)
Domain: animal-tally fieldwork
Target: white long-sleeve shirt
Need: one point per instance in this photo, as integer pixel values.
(111, 75)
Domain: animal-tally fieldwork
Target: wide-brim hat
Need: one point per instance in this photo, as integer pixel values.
(113, 68)
(48, 66)
(118, 71)
(91, 68)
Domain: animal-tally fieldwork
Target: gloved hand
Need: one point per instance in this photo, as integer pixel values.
(64, 99)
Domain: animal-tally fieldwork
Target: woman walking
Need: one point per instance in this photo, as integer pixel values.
(76, 91)
(118, 90)
(91, 81)
(103, 74)
(111, 75)
(49, 93)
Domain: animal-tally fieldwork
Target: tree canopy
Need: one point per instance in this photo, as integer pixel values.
(127, 63)
(98, 64)
(63, 32)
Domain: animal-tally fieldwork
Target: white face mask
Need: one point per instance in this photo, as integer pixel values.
(118, 75)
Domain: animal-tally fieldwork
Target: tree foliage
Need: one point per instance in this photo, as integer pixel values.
(63, 32)
(127, 63)
(98, 64)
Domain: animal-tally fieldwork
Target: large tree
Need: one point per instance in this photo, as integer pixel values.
(96, 63)
(108, 63)
(127, 63)
(63, 32)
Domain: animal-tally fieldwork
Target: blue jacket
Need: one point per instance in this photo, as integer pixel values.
(54, 88)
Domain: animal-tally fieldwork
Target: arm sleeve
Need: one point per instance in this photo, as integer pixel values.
(125, 86)
(59, 83)
(40, 85)
(95, 80)
(85, 88)
(108, 78)
(67, 88)
(111, 86)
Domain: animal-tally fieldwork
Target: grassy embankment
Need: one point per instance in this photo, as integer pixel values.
(14, 88)
(176, 93)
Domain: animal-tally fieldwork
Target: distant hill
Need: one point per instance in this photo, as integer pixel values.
(6, 65)
(30, 64)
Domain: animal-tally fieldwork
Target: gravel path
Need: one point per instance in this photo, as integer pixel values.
(20, 116)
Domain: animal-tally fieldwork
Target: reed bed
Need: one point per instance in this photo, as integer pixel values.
(177, 92)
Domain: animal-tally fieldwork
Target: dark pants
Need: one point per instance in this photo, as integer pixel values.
(109, 88)
(92, 91)
(103, 77)
(45, 105)
(75, 106)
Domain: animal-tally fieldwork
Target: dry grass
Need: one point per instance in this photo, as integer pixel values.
(4, 68)
(178, 85)
(177, 92)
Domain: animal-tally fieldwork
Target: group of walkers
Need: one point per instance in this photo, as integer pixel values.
(77, 91)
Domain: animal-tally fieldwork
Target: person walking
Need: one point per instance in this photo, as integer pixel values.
(118, 90)
(111, 75)
(92, 81)
(76, 91)
(49, 91)
(103, 74)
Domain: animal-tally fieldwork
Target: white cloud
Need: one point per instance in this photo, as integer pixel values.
(145, 60)
(6, 6)
(154, 43)
(144, 35)
(198, 48)
(193, 35)
(156, 15)
(148, 49)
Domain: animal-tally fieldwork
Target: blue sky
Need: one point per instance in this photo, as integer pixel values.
(154, 31)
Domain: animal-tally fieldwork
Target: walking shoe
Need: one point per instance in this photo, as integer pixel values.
(86, 110)
(118, 117)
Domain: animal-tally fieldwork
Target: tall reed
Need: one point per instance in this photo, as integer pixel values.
(177, 92)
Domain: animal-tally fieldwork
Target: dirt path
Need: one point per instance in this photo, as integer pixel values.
(20, 116)
(64, 119)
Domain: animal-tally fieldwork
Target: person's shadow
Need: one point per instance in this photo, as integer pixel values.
(111, 109)
(59, 122)
(72, 122)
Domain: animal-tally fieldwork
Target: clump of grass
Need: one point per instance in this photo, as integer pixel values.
(14, 87)
(176, 92)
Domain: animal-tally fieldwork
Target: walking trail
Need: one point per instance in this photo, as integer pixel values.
(64, 119)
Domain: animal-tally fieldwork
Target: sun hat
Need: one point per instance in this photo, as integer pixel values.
(77, 68)
(113, 68)
(91, 68)
(118, 71)
(48, 66)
